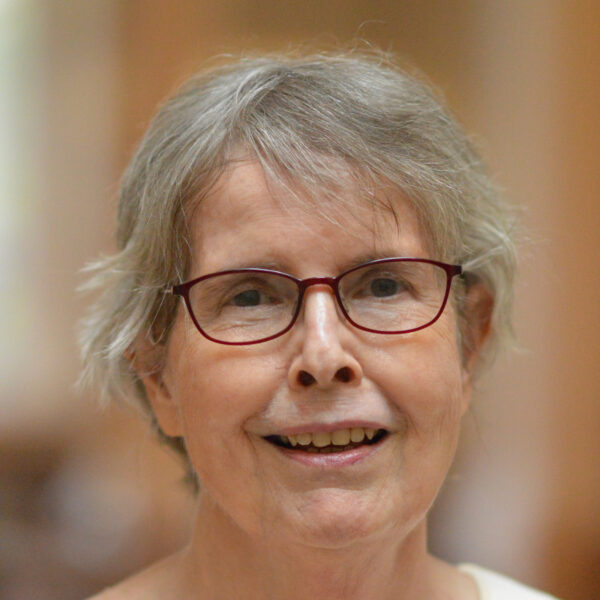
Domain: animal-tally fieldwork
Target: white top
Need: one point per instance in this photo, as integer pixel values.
(493, 586)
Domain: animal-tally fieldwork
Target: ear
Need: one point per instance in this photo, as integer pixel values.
(148, 364)
(478, 306)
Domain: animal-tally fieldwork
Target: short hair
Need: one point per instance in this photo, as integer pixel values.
(366, 116)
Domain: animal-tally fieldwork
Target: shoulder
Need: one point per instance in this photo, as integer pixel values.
(158, 582)
(493, 586)
(137, 587)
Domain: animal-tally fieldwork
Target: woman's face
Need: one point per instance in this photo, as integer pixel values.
(224, 400)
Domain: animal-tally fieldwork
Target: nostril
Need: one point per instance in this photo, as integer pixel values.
(305, 378)
(344, 374)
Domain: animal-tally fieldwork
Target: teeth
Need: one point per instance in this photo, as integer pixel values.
(304, 439)
(341, 437)
(357, 434)
(321, 439)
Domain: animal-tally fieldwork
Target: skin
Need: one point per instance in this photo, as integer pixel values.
(267, 527)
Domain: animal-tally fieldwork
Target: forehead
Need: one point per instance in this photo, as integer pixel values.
(247, 220)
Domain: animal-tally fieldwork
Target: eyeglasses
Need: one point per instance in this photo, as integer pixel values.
(387, 296)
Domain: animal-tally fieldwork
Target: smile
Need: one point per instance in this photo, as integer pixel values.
(325, 442)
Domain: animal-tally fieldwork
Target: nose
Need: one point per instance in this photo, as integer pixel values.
(323, 360)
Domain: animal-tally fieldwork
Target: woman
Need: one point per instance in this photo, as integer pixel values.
(312, 268)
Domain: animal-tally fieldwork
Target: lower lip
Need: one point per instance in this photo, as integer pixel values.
(333, 459)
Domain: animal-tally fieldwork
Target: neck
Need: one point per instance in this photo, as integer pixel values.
(224, 561)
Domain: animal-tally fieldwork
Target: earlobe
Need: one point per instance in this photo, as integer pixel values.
(477, 312)
(159, 394)
(163, 404)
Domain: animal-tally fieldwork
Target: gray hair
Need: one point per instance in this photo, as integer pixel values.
(370, 119)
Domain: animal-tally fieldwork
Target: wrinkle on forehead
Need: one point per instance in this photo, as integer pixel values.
(355, 200)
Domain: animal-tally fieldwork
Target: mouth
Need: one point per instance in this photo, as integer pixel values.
(334, 442)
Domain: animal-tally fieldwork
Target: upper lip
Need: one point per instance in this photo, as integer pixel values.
(317, 427)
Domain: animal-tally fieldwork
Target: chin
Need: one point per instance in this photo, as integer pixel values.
(336, 522)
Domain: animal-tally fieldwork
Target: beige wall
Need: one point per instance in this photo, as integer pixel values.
(521, 75)
(575, 511)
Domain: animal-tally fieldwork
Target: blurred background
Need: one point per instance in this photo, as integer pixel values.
(86, 495)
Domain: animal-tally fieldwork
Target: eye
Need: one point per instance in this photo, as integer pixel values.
(381, 287)
(247, 298)
(252, 291)
(376, 284)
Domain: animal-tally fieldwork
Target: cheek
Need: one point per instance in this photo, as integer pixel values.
(218, 389)
(423, 382)
(423, 378)
(221, 385)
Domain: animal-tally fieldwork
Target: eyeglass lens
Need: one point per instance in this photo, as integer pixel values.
(388, 297)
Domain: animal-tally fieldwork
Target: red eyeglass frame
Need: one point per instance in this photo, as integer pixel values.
(183, 290)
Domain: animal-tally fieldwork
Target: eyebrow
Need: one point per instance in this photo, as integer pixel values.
(270, 265)
(274, 265)
(371, 256)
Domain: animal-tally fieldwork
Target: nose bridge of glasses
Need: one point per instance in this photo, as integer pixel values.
(311, 281)
(322, 284)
